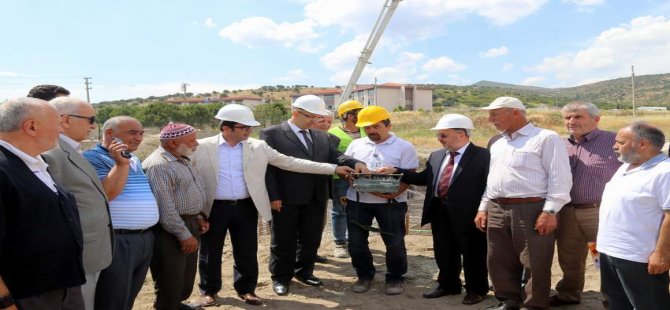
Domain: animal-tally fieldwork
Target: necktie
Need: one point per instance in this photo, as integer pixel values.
(443, 185)
(308, 142)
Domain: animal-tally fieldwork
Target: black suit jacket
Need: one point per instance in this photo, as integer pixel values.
(300, 188)
(467, 186)
(40, 233)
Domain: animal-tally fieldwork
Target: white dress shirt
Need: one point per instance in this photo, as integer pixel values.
(533, 162)
(297, 130)
(230, 181)
(74, 144)
(445, 161)
(35, 164)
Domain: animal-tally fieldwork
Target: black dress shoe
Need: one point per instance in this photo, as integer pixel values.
(309, 280)
(502, 306)
(280, 289)
(321, 259)
(472, 298)
(439, 292)
(554, 301)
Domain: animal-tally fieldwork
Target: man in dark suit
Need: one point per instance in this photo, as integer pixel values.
(72, 171)
(298, 200)
(456, 179)
(40, 234)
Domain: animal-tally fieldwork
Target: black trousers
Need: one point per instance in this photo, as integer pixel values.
(61, 299)
(172, 270)
(391, 219)
(296, 235)
(240, 219)
(453, 239)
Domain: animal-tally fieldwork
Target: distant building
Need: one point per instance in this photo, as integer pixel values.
(250, 101)
(651, 109)
(389, 95)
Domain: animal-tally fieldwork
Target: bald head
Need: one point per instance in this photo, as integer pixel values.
(29, 124)
(125, 128)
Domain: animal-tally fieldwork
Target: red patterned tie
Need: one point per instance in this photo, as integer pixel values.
(443, 185)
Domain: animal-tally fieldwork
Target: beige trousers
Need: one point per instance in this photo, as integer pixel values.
(576, 227)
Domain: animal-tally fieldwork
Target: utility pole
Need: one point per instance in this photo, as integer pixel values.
(183, 88)
(375, 99)
(632, 83)
(88, 83)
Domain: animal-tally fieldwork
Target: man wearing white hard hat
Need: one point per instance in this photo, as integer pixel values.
(528, 183)
(456, 178)
(299, 199)
(234, 167)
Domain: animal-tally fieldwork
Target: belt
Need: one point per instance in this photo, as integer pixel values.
(584, 205)
(189, 216)
(130, 231)
(232, 202)
(516, 201)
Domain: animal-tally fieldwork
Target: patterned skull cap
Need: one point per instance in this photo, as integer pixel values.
(176, 130)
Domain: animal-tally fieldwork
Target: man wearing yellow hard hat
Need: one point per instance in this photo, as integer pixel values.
(380, 148)
(347, 131)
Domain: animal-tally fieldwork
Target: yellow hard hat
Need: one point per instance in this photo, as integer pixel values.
(347, 106)
(372, 115)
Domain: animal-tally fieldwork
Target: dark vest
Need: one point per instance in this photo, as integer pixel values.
(40, 234)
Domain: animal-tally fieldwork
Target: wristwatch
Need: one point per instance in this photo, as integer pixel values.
(552, 212)
(6, 301)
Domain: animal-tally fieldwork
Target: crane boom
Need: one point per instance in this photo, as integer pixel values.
(376, 34)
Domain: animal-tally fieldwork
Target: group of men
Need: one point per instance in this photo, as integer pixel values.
(106, 218)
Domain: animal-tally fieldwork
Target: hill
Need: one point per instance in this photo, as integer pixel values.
(650, 90)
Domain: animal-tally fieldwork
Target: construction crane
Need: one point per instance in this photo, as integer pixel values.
(375, 35)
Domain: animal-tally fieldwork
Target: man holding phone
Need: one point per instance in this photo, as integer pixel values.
(133, 210)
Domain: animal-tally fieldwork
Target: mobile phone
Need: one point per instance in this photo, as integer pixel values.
(124, 153)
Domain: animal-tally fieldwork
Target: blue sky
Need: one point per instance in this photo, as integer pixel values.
(149, 47)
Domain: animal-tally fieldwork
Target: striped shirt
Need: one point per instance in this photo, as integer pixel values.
(533, 162)
(178, 187)
(135, 207)
(593, 163)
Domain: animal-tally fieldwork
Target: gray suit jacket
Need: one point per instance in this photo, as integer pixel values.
(71, 171)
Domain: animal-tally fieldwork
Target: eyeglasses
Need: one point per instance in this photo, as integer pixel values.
(309, 116)
(245, 128)
(441, 136)
(91, 119)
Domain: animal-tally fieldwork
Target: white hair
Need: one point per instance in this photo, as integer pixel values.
(68, 105)
(14, 112)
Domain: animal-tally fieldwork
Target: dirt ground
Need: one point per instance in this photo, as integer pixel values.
(338, 276)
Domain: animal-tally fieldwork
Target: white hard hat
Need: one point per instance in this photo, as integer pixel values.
(237, 113)
(311, 104)
(505, 102)
(448, 121)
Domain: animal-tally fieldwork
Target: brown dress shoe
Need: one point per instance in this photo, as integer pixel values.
(207, 301)
(472, 298)
(251, 298)
(555, 301)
